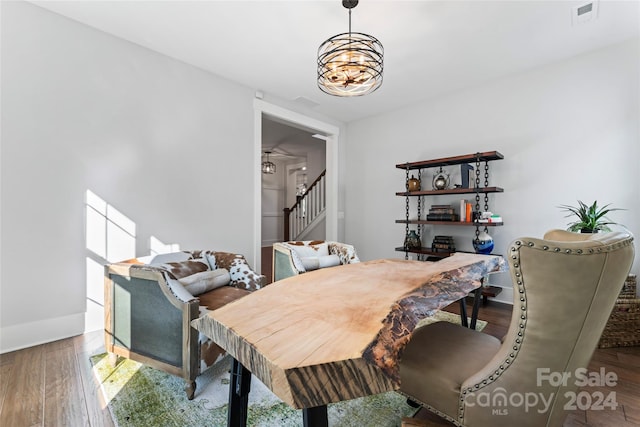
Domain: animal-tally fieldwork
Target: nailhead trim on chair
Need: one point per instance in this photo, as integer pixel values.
(522, 310)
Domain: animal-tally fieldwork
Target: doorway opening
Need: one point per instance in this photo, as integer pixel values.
(321, 141)
(299, 159)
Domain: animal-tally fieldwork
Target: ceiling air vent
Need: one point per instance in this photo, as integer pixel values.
(584, 13)
(306, 102)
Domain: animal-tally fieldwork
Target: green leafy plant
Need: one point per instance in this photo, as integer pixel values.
(591, 219)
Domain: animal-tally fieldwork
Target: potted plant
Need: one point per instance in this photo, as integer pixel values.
(591, 219)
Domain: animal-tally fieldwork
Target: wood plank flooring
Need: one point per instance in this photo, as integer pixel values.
(52, 384)
(266, 260)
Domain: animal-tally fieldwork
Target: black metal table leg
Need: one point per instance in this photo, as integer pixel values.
(463, 313)
(477, 296)
(239, 388)
(315, 417)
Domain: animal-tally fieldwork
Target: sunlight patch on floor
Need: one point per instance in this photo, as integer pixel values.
(116, 380)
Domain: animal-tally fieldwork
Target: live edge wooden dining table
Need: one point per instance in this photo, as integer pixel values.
(336, 333)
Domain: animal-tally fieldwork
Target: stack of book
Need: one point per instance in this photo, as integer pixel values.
(442, 213)
(443, 244)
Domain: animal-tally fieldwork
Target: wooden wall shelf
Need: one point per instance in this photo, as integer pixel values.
(424, 251)
(447, 242)
(454, 223)
(455, 160)
(451, 191)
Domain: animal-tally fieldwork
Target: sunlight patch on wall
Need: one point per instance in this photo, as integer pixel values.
(94, 314)
(157, 247)
(110, 234)
(110, 237)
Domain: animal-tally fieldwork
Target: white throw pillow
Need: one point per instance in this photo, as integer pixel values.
(306, 251)
(310, 263)
(314, 263)
(205, 281)
(329, 261)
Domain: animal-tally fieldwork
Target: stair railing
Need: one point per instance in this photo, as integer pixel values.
(306, 209)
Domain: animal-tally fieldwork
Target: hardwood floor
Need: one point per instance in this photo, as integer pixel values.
(266, 260)
(52, 384)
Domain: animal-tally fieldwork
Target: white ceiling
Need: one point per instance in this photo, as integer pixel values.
(288, 143)
(431, 47)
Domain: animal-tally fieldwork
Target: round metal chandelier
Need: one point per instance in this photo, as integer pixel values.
(350, 64)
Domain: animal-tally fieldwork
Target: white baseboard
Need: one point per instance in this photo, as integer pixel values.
(505, 297)
(25, 335)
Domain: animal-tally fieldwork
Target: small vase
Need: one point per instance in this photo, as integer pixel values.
(413, 184)
(483, 244)
(412, 240)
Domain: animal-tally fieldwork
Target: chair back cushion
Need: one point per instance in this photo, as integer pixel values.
(310, 248)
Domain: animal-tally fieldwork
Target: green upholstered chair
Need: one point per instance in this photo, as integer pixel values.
(148, 310)
(297, 257)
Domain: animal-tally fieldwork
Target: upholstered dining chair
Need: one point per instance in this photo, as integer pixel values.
(297, 257)
(565, 286)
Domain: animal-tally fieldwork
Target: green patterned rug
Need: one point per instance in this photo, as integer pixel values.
(138, 395)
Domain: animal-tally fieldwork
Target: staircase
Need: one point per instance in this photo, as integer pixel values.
(307, 212)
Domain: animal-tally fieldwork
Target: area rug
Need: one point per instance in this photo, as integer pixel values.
(138, 395)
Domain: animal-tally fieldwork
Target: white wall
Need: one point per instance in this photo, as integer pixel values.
(568, 131)
(166, 144)
(316, 159)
